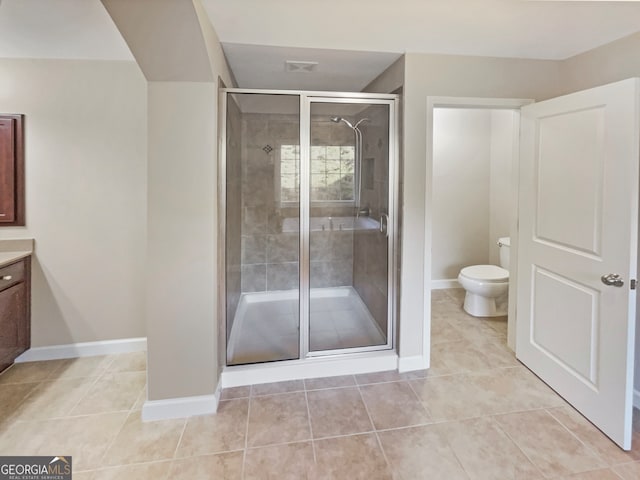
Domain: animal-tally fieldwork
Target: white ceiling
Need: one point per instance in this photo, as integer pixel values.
(352, 40)
(504, 28)
(257, 66)
(67, 29)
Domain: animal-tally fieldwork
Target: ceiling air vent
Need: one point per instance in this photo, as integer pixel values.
(293, 66)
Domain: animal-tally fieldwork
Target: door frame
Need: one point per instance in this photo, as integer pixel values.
(434, 102)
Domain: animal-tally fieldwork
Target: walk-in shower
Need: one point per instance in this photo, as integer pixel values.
(309, 213)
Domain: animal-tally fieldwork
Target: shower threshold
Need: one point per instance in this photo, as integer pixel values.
(316, 367)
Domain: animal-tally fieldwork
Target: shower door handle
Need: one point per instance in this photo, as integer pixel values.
(384, 224)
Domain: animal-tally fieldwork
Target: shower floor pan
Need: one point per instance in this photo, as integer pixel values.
(266, 326)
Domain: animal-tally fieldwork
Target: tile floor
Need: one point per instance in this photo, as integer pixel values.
(477, 414)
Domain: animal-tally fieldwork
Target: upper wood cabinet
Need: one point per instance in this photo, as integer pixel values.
(11, 170)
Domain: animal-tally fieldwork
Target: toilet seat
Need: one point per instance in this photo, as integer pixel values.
(486, 273)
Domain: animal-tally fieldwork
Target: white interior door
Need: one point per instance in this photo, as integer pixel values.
(578, 215)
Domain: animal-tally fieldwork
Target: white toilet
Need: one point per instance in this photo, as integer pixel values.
(487, 285)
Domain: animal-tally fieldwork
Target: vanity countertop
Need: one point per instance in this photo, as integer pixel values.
(14, 249)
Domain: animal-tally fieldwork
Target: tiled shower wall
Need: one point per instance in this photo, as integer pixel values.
(233, 211)
(269, 255)
(269, 251)
(331, 252)
(370, 254)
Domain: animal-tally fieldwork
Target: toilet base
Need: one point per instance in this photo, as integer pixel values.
(479, 306)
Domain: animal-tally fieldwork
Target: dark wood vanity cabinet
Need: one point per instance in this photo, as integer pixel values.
(15, 310)
(11, 170)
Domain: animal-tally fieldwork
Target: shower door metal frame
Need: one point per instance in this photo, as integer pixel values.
(305, 165)
(306, 99)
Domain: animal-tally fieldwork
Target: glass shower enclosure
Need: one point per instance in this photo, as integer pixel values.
(308, 184)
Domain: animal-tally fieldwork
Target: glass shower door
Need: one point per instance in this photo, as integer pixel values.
(262, 227)
(348, 205)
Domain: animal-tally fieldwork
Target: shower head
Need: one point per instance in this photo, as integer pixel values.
(353, 127)
(340, 119)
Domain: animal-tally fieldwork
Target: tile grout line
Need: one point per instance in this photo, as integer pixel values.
(72, 417)
(37, 384)
(375, 431)
(98, 377)
(313, 445)
(575, 435)
(495, 422)
(12, 415)
(184, 428)
(422, 402)
(113, 440)
(130, 411)
(611, 469)
(95, 381)
(455, 455)
(246, 432)
(134, 464)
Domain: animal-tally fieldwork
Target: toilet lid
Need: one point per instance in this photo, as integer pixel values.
(486, 273)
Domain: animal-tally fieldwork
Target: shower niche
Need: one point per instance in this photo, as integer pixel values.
(309, 214)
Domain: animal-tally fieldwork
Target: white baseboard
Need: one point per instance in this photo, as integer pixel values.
(440, 284)
(636, 398)
(153, 410)
(409, 364)
(84, 349)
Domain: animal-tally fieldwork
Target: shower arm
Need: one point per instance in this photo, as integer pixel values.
(358, 159)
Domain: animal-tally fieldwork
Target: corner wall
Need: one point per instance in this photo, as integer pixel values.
(85, 155)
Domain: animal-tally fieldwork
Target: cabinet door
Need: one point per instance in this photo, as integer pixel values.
(14, 324)
(12, 210)
(7, 170)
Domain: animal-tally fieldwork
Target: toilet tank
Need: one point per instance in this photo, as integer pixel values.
(505, 245)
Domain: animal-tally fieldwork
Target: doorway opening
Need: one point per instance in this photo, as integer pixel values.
(472, 178)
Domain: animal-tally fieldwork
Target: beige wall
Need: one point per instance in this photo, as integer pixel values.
(165, 38)
(461, 181)
(181, 256)
(390, 80)
(472, 155)
(85, 135)
(612, 62)
(503, 136)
